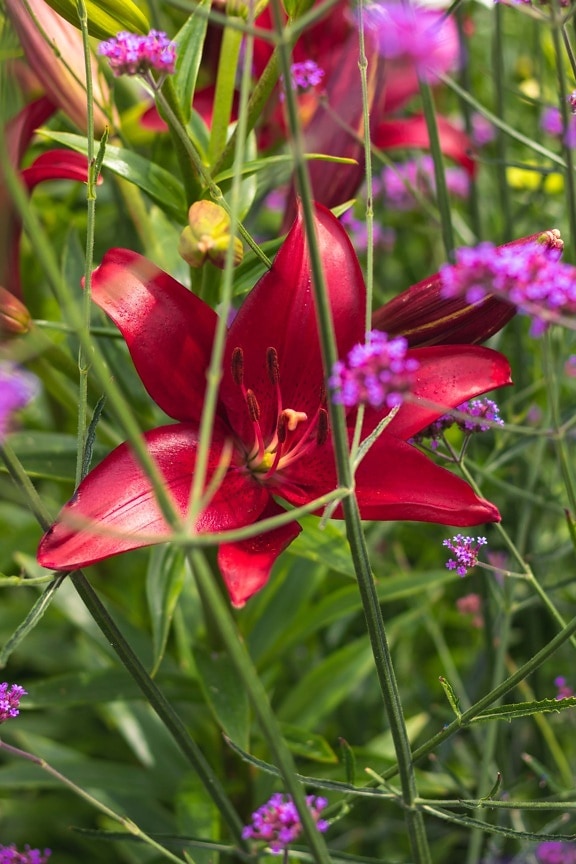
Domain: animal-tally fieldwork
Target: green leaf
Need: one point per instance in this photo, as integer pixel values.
(304, 743)
(164, 582)
(526, 709)
(228, 702)
(106, 18)
(190, 40)
(451, 696)
(49, 455)
(158, 183)
(349, 761)
(31, 620)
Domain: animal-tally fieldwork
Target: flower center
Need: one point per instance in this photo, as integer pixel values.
(294, 434)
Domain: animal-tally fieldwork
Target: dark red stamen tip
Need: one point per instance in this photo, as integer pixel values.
(272, 365)
(238, 366)
(282, 428)
(322, 427)
(253, 406)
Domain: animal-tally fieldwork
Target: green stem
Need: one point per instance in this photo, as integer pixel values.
(442, 197)
(498, 69)
(224, 95)
(253, 687)
(372, 611)
(126, 823)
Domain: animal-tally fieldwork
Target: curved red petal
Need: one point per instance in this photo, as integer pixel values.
(115, 509)
(448, 375)
(396, 481)
(246, 566)
(169, 331)
(413, 132)
(57, 165)
(280, 312)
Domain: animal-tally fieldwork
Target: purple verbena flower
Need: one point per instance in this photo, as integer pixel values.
(556, 852)
(10, 696)
(570, 366)
(306, 74)
(422, 37)
(383, 238)
(379, 372)
(563, 688)
(277, 822)
(132, 54)
(399, 181)
(471, 604)
(530, 277)
(465, 551)
(11, 855)
(481, 413)
(552, 123)
(17, 388)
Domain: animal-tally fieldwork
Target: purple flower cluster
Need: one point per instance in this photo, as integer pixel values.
(419, 174)
(564, 691)
(556, 852)
(481, 414)
(10, 697)
(383, 238)
(132, 54)
(530, 277)
(11, 855)
(465, 551)
(17, 388)
(277, 822)
(552, 123)
(421, 37)
(305, 74)
(380, 372)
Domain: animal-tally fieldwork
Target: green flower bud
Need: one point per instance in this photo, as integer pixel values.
(207, 236)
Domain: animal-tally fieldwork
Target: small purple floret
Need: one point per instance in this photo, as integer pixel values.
(306, 74)
(132, 54)
(465, 551)
(418, 174)
(278, 824)
(17, 388)
(379, 372)
(530, 277)
(482, 414)
(10, 696)
(11, 855)
(556, 852)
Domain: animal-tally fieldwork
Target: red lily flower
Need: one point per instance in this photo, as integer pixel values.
(270, 406)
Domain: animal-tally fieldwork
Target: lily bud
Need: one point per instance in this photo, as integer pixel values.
(43, 34)
(14, 316)
(208, 236)
(424, 317)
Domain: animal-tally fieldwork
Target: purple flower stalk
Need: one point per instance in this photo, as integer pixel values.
(17, 388)
(278, 824)
(465, 551)
(421, 37)
(481, 413)
(11, 855)
(530, 277)
(380, 372)
(132, 54)
(556, 852)
(10, 696)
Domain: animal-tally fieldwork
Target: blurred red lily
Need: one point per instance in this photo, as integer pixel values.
(271, 406)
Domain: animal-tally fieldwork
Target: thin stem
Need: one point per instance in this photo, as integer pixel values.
(442, 197)
(498, 68)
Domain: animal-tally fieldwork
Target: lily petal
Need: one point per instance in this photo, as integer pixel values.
(280, 312)
(448, 375)
(246, 566)
(169, 331)
(413, 132)
(56, 165)
(397, 481)
(115, 509)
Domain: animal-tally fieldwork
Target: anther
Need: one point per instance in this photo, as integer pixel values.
(272, 365)
(322, 427)
(293, 418)
(282, 428)
(253, 406)
(238, 366)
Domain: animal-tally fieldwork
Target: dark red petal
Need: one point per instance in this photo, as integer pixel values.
(246, 566)
(280, 312)
(168, 330)
(21, 128)
(397, 482)
(413, 132)
(115, 510)
(448, 375)
(56, 165)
